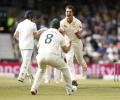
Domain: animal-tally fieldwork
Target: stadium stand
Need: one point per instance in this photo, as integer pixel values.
(101, 23)
(6, 48)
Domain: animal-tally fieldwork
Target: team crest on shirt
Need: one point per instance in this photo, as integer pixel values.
(73, 24)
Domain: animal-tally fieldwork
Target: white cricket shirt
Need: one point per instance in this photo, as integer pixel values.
(26, 37)
(71, 28)
(51, 41)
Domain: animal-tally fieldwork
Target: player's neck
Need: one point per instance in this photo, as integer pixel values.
(69, 20)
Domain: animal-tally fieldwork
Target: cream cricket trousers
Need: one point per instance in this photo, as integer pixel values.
(26, 63)
(53, 60)
(77, 51)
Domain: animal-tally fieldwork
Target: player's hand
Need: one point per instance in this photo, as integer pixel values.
(77, 33)
(61, 30)
(72, 39)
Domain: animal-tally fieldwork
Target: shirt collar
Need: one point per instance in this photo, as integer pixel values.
(72, 21)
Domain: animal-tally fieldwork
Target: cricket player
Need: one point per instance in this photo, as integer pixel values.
(72, 27)
(25, 33)
(49, 53)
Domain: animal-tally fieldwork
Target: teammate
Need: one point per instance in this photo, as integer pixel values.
(72, 27)
(25, 33)
(49, 53)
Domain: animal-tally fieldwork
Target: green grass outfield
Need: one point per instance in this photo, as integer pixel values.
(11, 89)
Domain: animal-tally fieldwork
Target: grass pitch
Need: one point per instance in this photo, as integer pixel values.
(11, 89)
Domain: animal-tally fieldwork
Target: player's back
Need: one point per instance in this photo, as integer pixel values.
(50, 41)
(26, 38)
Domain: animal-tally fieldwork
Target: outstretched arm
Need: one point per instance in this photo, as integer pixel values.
(38, 33)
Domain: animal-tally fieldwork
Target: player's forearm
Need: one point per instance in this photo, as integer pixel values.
(78, 35)
(69, 45)
(36, 35)
(67, 48)
(61, 30)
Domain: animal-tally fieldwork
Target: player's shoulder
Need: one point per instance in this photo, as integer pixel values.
(77, 20)
(20, 24)
(29, 22)
(23, 22)
(62, 21)
(32, 23)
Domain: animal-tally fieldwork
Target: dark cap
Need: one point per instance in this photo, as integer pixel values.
(55, 23)
(29, 14)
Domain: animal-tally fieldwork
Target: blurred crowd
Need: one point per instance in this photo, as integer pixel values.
(101, 27)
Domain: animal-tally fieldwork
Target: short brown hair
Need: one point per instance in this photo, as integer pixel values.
(70, 7)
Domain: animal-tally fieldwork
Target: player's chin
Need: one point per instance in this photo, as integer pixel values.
(68, 16)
